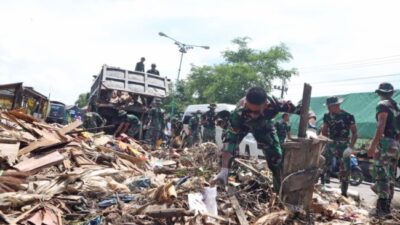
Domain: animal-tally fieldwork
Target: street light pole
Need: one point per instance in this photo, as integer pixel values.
(183, 48)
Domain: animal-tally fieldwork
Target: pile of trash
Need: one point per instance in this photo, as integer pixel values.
(53, 174)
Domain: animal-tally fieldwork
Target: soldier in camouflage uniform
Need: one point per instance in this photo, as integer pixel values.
(255, 116)
(128, 124)
(283, 128)
(93, 120)
(337, 126)
(384, 148)
(208, 122)
(155, 124)
(194, 129)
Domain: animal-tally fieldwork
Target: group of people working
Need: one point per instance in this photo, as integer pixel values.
(255, 115)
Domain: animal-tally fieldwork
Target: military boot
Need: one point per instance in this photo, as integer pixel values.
(344, 187)
(379, 207)
(386, 206)
(328, 177)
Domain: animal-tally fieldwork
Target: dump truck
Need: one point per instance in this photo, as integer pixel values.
(117, 89)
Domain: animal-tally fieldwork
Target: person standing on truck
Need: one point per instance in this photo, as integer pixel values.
(337, 126)
(254, 115)
(208, 122)
(384, 148)
(153, 70)
(140, 65)
(155, 124)
(194, 128)
(283, 128)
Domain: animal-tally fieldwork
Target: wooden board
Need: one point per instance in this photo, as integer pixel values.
(300, 154)
(39, 162)
(70, 127)
(9, 150)
(238, 209)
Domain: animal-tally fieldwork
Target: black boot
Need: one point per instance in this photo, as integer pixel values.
(379, 207)
(344, 187)
(322, 179)
(328, 177)
(386, 206)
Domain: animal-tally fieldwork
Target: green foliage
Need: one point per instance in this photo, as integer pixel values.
(227, 82)
(83, 100)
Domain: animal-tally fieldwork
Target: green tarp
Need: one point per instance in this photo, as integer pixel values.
(361, 105)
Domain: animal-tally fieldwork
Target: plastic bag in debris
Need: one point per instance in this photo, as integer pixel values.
(113, 200)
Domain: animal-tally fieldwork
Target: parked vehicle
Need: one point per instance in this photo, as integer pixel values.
(115, 89)
(356, 174)
(57, 113)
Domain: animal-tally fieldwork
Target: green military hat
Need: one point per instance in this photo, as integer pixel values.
(121, 113)
(385, 88)
(212, 106)
(333, 101)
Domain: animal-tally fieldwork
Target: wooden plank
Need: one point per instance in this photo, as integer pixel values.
(38, 162)
(9, 151)
(303, 125)
(70, 127)
(42, 142)
(238, 209)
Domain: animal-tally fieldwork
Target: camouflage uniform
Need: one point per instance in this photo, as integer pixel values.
(339, 125)
(134, 125)
(282, 128)
(156, 125)
(387, 154)
(209, 126)
(264, 132)
(194, 128)
(92, 120)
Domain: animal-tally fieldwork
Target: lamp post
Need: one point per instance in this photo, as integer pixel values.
(183, 48)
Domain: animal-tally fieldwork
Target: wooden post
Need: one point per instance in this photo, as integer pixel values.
(304, 111)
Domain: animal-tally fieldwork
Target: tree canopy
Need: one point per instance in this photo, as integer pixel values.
(83, 100)
(228, 81)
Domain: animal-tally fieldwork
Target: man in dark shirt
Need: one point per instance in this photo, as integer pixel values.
(384, 148)
(337, 126)
(153, 70)
(140, 65)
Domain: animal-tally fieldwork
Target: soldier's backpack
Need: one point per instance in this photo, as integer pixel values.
(395, 109)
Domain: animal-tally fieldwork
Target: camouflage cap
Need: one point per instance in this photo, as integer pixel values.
(385, 88)
(333, 101)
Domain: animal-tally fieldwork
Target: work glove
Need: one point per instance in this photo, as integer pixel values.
(347, 152)
(222, 176)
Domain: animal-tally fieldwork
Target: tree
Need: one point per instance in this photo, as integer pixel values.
(243, 68)
(83, 100)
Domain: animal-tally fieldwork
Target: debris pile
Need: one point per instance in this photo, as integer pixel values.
(52, 174)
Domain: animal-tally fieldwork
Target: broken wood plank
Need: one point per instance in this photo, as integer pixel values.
(305, 105)
(9, 150)
(39, 162)
(238, 209)
(171, 212)
(70, 127)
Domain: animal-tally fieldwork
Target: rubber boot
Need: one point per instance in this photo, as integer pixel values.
(344, 187)
(379, 207)
(386, 206)
(328, 177)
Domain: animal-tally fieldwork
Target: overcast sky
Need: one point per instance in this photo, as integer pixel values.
(56, 46)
